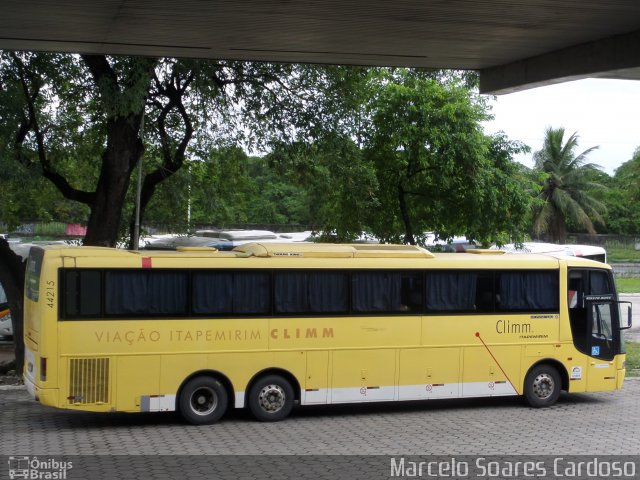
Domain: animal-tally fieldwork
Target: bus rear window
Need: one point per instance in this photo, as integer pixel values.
(32, 277)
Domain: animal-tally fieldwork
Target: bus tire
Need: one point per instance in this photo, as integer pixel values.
(203, 400)
(271, 399)
(542, 386)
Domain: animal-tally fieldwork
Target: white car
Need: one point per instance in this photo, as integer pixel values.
(6, 329)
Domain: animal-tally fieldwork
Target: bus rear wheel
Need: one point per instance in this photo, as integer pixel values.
(271, 399)
(203, 400)
(542, 386)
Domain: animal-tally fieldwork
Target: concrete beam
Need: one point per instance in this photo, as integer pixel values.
(613, 57)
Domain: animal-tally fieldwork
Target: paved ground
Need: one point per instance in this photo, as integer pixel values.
(597, 423)
(6, 350)
(156, 445)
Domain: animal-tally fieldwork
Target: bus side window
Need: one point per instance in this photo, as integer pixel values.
(311, 292)
(411, 293)
(328, 292)
(146, 293)
(528, 291)
(485, 294)
(82, 294)
(451, 291)
(376, 292)
(220, 293)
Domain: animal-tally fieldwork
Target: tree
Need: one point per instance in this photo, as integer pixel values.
(12, 280)
(414, 160)
(334, 181)
(85, 114)
(26, 193)
(63, 113)
(623, 198)
(565, 187)
(436, 170)
(229, 187)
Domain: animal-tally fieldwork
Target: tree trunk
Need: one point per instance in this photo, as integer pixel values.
(12, 280)
(124, 149)
(558, 228)
(406, 219)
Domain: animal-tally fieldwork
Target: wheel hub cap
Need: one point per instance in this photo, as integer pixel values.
(271, 398)
(204, 401)
(543, 386)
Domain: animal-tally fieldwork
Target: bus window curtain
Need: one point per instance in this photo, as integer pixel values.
(376, 292)
(328, 292)
(451, 291)
(212, 293)
(146, 293)
(251, 293)
(528, 291)
(291, 292)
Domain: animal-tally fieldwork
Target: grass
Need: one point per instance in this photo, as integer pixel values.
(633, 359)
(628, 285)
(617, 253)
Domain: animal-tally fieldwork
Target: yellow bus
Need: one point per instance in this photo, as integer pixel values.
(270, 326)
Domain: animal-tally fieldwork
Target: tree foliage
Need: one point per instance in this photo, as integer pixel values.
(336, 183)
(565, 187)
(622, 198)
(85, 121)
(394, 152)
(436, 170)
(228, 188)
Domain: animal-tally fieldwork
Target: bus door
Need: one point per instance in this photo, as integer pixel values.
(593, 312)
(603, 343)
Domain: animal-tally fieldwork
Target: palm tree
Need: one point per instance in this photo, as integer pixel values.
(566, 184)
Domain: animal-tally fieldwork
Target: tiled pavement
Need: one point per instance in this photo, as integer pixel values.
(352, 442)
(596, 423)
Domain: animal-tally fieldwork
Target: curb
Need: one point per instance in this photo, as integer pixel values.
(12, 387)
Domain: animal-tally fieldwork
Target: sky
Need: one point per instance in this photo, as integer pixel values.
(602, 112)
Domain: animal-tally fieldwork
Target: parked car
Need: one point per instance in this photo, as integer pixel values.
(6, 329)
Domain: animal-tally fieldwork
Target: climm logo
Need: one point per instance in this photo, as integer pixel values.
(290, 333)
(506, 326)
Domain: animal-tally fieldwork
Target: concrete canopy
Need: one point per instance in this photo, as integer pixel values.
(515, 44)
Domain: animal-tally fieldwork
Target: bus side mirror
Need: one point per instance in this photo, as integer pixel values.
(625, 323)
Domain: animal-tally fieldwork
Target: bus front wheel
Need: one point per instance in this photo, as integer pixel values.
(542, 386)
(271, 399)
(203, 400)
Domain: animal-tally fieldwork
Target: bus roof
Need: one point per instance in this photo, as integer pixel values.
(310, 255)
(333, 250)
